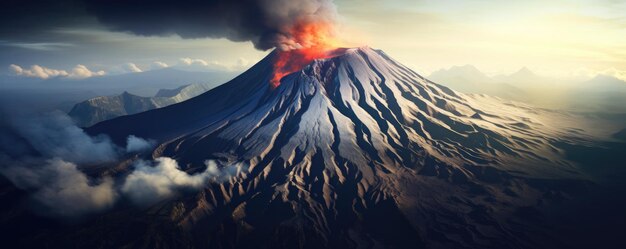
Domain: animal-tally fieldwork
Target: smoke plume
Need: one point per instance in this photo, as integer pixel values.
(266, 23)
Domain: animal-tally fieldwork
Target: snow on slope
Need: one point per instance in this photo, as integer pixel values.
(354, 139)
(361, 107)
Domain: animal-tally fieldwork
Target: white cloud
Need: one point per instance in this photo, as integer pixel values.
(148, 184)
(16, 69)
(37, 71)
(190, 61)
(55, 135)
(81, 72)
(59, 188)
(137, 144)
(132, 68)
(158, 65)
(201, 64)
(56, 184)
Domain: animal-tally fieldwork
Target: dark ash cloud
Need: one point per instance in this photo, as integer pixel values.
(28, 19)
(266, 23)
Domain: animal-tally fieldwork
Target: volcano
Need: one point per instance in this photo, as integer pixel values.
(354, 151)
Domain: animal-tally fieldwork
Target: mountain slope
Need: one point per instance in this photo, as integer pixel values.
(389, 113)
(356, 151)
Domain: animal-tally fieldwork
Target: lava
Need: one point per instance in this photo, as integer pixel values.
(314, 41)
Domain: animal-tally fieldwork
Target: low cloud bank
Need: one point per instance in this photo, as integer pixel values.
(48, 155)
(55, 135)
(158, 65)
(46, 165)
(59, 189)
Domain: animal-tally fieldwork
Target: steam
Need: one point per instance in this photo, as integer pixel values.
(55, 135)
(151, 183)
(266, 23)
(47, 156)
(137, 144)
(60, 188)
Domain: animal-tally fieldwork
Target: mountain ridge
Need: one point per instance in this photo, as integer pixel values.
(97, 109)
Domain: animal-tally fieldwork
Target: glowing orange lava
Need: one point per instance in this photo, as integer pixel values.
(315, 40)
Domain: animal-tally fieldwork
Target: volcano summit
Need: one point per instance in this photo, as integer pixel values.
(357, 151)
(358, 108)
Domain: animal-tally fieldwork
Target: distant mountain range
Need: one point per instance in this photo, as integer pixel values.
(461, 74)
(27, 94)
(620, 134)
(142, 83)
(98, 109)
(604, 83)
(602, 93)
(469, 79)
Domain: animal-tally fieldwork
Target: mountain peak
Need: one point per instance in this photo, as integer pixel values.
(332, 142)
(359, 106)
(604, 82)
(466, 67)
(460, 75)
(605, 78)
(525, 72)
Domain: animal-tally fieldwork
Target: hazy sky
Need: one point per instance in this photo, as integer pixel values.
(557, 37)
(561, 38)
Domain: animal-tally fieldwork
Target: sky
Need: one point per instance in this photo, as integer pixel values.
(559, 38)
